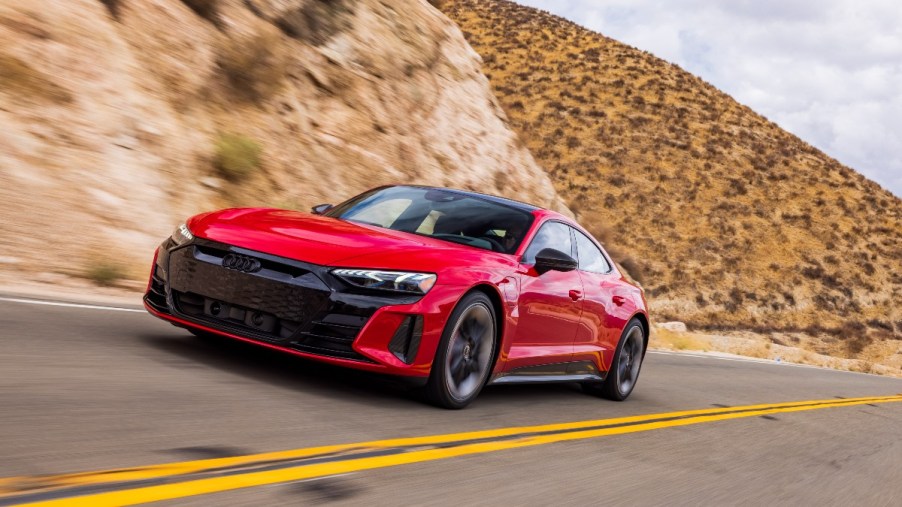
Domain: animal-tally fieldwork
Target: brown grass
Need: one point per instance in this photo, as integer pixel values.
(664, 339)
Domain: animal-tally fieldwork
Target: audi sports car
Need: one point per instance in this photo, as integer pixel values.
(451, 289)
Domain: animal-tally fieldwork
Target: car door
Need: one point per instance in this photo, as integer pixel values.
(548, 307)
(598, 330)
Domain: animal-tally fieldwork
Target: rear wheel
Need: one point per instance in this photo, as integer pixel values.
(463, 360)
(621, 378)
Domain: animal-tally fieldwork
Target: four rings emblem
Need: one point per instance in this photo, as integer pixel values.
(241, 263)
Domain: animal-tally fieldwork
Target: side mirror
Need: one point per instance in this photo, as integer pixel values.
(319, 209)
(549, 259)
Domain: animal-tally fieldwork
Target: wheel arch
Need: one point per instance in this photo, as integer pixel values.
(494, 296)
(646, 331)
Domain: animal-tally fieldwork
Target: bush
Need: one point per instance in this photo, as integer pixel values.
(255, 65)
(317, 21)
(105, 273)
(207, 9)
(237, 156)
(112, 6)
(632, 268)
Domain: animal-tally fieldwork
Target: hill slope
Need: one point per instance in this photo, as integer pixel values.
(728, 220)
(121, 117)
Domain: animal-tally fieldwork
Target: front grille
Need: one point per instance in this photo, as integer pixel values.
(285, 302)
(293, 294)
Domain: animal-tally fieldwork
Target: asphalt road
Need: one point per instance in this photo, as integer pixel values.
(93, 389)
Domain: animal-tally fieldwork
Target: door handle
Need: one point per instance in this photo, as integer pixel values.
(618, 300)
(576, 295)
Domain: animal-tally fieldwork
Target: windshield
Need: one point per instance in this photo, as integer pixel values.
(440, 214)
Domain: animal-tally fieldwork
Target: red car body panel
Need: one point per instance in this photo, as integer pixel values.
(555, 317)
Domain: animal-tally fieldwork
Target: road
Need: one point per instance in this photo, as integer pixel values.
(92, 389)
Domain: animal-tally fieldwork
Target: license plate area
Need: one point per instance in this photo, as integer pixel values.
(232, 315)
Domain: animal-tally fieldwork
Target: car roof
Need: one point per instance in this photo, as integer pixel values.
(529, 208)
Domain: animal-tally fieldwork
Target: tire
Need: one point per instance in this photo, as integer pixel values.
(465, 355)
(624, 373)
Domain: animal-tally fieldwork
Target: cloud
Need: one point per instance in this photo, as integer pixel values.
(828, 71)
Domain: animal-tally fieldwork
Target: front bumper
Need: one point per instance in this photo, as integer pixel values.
(297, 307)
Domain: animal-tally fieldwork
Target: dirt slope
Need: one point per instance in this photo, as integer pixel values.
(121, 117)
(728, 220)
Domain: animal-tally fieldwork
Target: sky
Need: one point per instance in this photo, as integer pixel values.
(829, 71)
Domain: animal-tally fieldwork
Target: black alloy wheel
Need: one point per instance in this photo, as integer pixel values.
(465, 354)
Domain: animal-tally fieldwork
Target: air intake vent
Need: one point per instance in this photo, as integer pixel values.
(406, 341)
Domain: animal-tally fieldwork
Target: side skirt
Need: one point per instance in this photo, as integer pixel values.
(577, 371)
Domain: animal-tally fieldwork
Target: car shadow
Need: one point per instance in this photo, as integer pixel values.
(260, 364)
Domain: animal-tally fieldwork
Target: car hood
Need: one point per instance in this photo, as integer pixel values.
(331, 242)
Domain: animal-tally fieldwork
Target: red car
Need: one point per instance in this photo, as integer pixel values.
(450, 288)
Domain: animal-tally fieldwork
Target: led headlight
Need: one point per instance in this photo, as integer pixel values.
(181, 235)
(400, 281)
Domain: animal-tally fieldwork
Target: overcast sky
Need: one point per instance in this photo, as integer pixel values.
(829, 71)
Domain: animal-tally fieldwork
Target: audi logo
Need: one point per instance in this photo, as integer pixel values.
(241, 263)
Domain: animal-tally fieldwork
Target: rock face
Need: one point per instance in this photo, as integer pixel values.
(111, 111)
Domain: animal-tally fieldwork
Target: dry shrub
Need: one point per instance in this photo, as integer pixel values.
(316, 21)
(855, 337)
(237, 156)
(632, 268)
(112, 6)
(19, 78)
(105, 273)
(207, 9)
(254, 65)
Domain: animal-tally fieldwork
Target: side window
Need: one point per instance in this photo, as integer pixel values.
(552, 235)
(590, 257)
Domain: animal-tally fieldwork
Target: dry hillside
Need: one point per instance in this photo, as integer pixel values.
(728, 220)
(121, 117)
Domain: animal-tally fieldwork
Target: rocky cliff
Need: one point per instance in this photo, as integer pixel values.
(121, 117)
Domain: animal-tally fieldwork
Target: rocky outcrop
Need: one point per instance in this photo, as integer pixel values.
(111, 112)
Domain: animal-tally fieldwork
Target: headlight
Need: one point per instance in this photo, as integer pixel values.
(401, 281)
(181, 235)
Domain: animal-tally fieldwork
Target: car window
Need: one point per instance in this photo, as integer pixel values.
(590, 257)
(383, 213)
(445, 215)
(552, 235)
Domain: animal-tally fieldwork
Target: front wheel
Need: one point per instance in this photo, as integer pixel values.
(463, 360)
(621, 378)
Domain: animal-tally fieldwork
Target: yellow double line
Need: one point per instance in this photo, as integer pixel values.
(176, 480)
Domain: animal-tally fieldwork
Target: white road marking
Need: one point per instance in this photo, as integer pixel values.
(69, 305)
